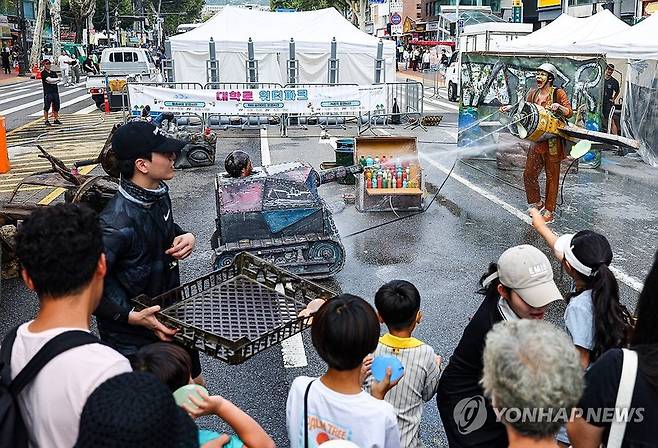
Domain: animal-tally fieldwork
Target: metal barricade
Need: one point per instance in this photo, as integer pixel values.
(326, 120)
(245, 121)
(183, 119)
(409, 97)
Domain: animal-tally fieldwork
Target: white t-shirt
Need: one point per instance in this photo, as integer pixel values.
(360, 418)
(64, 62)
(51, 405)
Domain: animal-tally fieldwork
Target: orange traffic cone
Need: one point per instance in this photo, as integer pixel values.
(5, 166)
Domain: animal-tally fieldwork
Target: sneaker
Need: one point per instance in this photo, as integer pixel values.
(538, 205)
(48, 124)
(57, 121)
(548, 216)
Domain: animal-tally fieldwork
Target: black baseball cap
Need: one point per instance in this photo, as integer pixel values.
(139, 138)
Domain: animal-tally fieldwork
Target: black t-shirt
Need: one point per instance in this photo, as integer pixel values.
(461, 378)
(610, 87)
(47, 87)
(602, 384)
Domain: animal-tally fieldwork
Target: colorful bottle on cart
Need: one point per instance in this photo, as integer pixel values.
(379, 181)
(362, 161)
(369, 161)
(405, 184)
(399, 182)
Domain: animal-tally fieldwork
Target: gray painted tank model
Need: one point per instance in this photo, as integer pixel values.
(277, 214)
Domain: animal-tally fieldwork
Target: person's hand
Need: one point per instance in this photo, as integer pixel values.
(438, 360)
(218, 442)
(538, 220)
(182, 246)
(380, 389)
(206, 405)
(555, 107)
(366, 368)
(504, 109)
(146, 318)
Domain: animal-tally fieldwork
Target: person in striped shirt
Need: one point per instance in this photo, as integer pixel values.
(398, 306)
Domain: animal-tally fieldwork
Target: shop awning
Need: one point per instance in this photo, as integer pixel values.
(432, 43)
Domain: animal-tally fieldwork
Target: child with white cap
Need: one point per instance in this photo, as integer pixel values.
(595, 318)
(519, 286)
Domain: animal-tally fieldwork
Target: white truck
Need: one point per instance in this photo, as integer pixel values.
(480, 37)
(117, 66)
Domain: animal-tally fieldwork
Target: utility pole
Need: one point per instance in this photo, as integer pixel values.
(107, 22)
(22, 61)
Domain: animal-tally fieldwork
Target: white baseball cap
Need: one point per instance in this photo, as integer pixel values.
(527, 271)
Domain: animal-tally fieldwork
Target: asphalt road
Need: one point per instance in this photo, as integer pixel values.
(443, 251)
(22, 102)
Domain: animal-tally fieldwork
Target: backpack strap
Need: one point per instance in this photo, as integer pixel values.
(57, 345)
(624, 398)
(5, 356)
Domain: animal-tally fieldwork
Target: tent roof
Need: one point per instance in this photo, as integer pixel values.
(312, 30)
(567, 34)
(638, 42)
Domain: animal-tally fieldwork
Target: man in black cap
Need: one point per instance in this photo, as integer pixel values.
(49, 80)
(142, 242)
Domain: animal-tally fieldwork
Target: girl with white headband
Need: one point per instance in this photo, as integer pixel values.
(595, 318)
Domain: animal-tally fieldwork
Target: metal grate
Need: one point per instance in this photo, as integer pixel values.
(239, 310)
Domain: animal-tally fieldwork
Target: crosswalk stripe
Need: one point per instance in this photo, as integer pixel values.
(34, 103)
(19, 84)
(86, 110)
(442, 104)
(20, 97)
(13, 92)
(66, 104)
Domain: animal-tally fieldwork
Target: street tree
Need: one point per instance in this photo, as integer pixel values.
(83, 13)
(356, 8)
(37, 38)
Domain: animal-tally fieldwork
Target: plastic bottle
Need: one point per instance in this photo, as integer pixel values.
(393, 182)
(384, 162)
(362, 161)
(379, 181)
(399, 183)
(405, 184)
(369, 161)
(376, 161)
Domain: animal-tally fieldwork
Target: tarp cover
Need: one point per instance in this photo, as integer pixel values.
(640, 111)
(271, 32)
(573, 35)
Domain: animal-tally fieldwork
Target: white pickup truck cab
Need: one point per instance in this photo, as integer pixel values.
(121, 64)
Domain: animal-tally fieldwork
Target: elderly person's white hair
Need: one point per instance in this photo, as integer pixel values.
(532, 367)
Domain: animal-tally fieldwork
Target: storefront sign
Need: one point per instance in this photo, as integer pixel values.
(307, 101)
(409, 25)
(548, 3)
(432, 26)
(650, 7)
(396, 6)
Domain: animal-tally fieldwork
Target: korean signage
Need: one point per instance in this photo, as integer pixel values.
(308, 101)
(396, 6)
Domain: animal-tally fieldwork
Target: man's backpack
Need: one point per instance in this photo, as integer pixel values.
(13, 432)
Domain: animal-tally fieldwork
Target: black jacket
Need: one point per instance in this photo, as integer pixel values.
(136, 236)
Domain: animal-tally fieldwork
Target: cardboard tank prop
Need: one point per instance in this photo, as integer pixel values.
(277, 214)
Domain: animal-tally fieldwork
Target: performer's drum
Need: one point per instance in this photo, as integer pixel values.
(535, 123)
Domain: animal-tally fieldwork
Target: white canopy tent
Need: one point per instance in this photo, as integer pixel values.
(637, 42)
(271, 33)
(568, 34)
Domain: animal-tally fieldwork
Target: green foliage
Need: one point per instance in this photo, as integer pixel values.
(190, 9)
(308, 5)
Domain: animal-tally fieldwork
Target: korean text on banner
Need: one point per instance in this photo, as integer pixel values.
(310, 100)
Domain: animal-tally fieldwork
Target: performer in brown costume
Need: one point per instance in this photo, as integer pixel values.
(549, 153)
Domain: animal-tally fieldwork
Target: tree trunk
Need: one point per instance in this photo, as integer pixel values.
(35, 54)
(55, 7)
